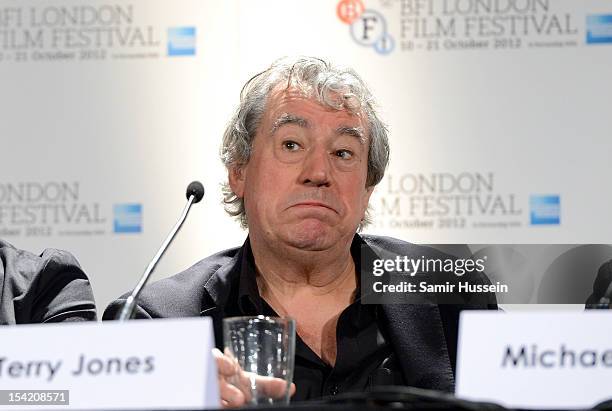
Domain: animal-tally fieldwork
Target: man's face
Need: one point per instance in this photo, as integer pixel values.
(305, 183)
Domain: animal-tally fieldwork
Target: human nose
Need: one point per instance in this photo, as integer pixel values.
(316, 168)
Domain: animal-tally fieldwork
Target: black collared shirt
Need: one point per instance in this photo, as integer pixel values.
(364, 356)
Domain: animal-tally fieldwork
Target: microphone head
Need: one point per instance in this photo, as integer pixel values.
(195, 189)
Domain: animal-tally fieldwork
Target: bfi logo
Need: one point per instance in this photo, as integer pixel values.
(368, 28)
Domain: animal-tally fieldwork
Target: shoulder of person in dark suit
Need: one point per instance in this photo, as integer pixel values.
(50, 287)
(182, 295)
(449, 313)
(390, 247)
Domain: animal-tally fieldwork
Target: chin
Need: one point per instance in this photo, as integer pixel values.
(312, 236)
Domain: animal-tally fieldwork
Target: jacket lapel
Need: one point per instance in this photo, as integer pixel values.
(216, 294)
(217, 318)
(417, 336)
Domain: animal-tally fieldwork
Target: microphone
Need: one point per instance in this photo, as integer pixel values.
(195, 192)
(602, 289)
(195, 189)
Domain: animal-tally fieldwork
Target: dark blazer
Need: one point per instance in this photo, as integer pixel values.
(50, 287)
(423, 336)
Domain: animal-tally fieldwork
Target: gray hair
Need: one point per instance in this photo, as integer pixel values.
(337, 88)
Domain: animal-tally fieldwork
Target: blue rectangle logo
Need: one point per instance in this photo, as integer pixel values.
(599, 29)
(127, 218)
(182, 41)
(545, 209)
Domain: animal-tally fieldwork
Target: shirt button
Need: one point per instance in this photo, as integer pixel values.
(334, 390)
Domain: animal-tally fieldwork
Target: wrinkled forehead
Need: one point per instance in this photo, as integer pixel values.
(338, 97)
(292, 106)
(283, 102)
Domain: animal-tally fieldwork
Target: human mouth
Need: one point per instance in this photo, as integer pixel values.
(314, 205)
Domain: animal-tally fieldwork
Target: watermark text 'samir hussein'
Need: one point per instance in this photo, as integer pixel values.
(410, 267)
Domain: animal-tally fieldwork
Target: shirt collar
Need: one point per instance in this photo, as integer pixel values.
(249, 299)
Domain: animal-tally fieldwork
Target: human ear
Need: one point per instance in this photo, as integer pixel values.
(366, 200)
(236, 178)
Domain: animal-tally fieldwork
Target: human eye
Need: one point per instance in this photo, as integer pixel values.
(344, 154)
(290, 145)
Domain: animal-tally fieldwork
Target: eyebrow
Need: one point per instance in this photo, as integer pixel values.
(288, 118)
(356, 132)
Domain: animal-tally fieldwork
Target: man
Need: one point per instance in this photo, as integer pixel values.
(47, 288)
(304, 152)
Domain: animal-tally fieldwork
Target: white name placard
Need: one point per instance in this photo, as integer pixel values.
(140, 364)
(536, 359)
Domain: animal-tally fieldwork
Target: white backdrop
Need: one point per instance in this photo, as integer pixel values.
(497, 110)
